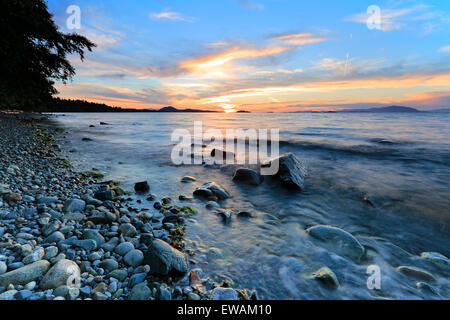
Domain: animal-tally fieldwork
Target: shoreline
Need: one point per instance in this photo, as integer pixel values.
(69, 235)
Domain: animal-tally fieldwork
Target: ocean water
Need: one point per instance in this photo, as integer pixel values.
(400, 162)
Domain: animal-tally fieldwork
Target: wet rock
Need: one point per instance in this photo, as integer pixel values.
(74, 205)
(212, 205)
(436, 258)
(344, 242)
(62, 273)
(128, 230)
(104, 195)
(224, 294)
(248, 176)
(165, 260)
(25, 274)
(134, 258)
(291, 171)
(94, 235)
(142, 186)
(124, 248)
(326, 276)
(188, 179)
(140, 292)
(417, 273)
(212, 189)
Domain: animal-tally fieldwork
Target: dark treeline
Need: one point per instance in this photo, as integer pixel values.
(68, 105)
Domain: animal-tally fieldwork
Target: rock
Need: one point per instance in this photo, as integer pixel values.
(140, 292)
(74, 206)
(341, 240)
(212, 205)
(51, 252)
(165, 260)
(87, 245)
(25, 274)
(119, 274)
(212, 189)
(104, 195)
(248, 176)
(8, 295)
(90, 234)
(65, 272)
(326, 276)
(124, 248)
(109, 265)
(37, 255)
(137, 278)
(3, 267)
(134, 258)
(128, 230)
(222, 155)
(142, 186)
(50, 228)
(417, 273)
(55, 237)
(436, 258)
(13, 197)
(98, 296)
(188, 179)
(23, 294)
(291, 171)
(224, 294)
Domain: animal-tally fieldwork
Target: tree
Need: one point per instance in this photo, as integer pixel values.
(33, 54)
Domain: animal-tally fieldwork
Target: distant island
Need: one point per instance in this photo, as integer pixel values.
(382, 109)
(68, 105)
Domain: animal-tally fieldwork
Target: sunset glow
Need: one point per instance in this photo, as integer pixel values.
(291, 59)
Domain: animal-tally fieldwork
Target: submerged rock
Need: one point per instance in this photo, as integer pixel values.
(188, 179)
(291, 171)
(25, 274)
(326, 276)
(344, 242)
(142, 186)
(436, 258)
(249, 176)
(212, 189)
(163, 259)
(417, 273)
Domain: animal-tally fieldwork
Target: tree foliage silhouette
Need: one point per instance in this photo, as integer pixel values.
(33, 54)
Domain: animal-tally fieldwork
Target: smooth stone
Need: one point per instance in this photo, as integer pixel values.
(111, 244)
(188, 179)
(100, 296)
(74, 205)
(88, 245)
(104, 195)
(214, 188)
(345, 242)
(109, 265)
(163, 259)
(8, 295)
(94, 235)
(51, 252)
(140, 292)
(417, 273)
(25, 274)
(137, 278)
(3, 267)
(212, 205)
(124, 248)
(224, 294)
(23, 294)
(326, 276)
(134, 258)
(248, 176)
(118, 274)
(37, 255)
(128, 230)
(55, 237)
(62, 273)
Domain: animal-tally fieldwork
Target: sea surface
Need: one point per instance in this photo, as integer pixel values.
(385, 178)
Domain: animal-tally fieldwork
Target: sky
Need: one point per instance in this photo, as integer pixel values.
(261, 55)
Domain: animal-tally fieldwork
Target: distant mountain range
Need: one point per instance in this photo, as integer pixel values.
(68, 105)
(383, 109)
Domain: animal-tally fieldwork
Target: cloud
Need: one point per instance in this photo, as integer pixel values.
(251, 5)
(445, 49)
(170, 15)
(298, 39)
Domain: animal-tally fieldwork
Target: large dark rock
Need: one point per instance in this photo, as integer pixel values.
(165, 260)
(291, 171)
(142, 186)
(249, 176)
